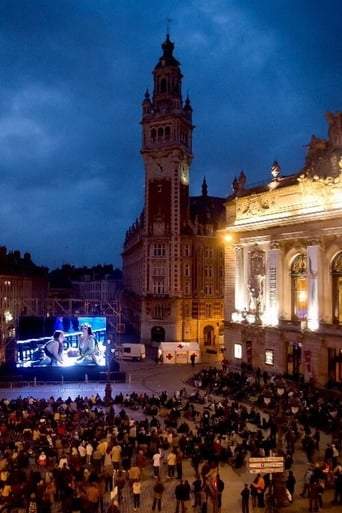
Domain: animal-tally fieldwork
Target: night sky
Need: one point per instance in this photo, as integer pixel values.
(260, 76)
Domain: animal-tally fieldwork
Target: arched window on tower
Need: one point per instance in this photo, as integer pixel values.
(160, 134)
(167, 133)
(299, 285)
(336, 275)
(163, 85)
(153, 134)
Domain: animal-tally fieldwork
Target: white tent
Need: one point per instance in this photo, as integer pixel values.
(178, 352)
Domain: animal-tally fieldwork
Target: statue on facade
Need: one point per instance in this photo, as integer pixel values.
(256, 283)
(335, 129)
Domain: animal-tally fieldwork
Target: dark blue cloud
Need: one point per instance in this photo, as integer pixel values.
(260, 76)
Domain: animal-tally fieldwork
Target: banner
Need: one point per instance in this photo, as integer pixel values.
(307, 359)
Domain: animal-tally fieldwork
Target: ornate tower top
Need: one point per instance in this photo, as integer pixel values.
(166, 119)
(167, 59)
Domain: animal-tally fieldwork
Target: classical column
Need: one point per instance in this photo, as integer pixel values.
(313, 269)
(240, 295)
(274, 285)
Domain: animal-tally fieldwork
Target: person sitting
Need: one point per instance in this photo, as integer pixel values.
(53, 349)
(87, 345)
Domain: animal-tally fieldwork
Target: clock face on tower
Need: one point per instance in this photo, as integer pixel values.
(158, 171)
(184, 174)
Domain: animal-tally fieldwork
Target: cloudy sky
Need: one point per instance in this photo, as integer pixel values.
(260, 76)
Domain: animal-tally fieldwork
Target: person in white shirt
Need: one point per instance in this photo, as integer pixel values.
(89, 452)
(156, 463)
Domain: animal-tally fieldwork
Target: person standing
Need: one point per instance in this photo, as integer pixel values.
(156, 464)
(179, 463)
(220, 488)
(313, 496)
(157, 494)
(259, 485)
(290, 483)
(114, 507)
(307, 480)
(180, 494)
(92, 496)
(187, 491)
(245, 499)
(136, 489)
(224, 364)
(171, 464)
(192, 359)
(116, 456)
(120, 482)
(197, 486)
(140, 462)
(337, 472)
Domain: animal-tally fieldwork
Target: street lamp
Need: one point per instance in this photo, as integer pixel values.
(285, 405)
(108, 388)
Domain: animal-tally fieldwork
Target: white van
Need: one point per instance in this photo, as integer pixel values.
(130, 351)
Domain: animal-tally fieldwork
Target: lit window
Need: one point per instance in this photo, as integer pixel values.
(299, 287)
(269, 357)
(336, 274)
(238, 351)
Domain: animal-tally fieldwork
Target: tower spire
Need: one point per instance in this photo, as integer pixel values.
(168, 21)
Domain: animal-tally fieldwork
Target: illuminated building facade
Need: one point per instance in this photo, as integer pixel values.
(172, 260)
(283, 296)
(23, 291)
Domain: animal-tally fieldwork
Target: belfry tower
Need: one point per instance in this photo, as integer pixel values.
(172, 259)
(167, 153)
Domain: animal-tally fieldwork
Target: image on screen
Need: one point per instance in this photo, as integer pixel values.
(84, 342)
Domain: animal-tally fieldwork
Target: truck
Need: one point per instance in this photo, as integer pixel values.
(130, 351)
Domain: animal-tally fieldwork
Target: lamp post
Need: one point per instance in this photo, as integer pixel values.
(284, 408)
(108, 388)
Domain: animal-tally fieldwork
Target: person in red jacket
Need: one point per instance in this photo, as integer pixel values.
(259, 485)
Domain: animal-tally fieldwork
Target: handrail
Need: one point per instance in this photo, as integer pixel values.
(34, 383)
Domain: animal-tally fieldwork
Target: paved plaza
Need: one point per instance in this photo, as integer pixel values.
(148, 378)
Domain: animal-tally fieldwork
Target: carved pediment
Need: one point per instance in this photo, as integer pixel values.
(324, 157)
(254, 205)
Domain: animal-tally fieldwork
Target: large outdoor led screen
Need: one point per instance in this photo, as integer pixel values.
(33, 333)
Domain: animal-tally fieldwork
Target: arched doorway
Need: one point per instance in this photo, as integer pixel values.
(157, 334)
(294, 358)
(209, 338)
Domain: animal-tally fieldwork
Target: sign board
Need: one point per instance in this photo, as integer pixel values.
(120, 328)
(266, 465)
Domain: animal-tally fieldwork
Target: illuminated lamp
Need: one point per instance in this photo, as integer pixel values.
(228, 238)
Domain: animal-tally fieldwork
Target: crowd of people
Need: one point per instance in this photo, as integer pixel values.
(85, 456)
(315, 413)
(75, 453)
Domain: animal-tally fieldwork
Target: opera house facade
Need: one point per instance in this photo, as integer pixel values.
(283, 267)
